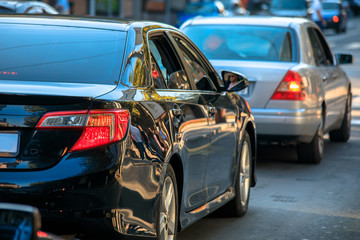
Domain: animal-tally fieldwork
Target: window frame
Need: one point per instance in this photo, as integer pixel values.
(218, 83)
(163, 33)
(327, 54)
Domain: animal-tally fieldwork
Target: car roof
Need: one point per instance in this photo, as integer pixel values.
(85, 22)
(249, 20)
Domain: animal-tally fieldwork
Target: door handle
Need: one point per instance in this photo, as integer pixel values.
(177, 112)
(212, 110)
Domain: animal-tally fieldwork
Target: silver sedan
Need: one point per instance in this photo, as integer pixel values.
(298, 91)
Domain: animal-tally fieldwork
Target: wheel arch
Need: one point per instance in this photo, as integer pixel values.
(250, 129)
(176, 164)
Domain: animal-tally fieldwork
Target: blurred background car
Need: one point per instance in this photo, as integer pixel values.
(207, 8)
(258, 7)
(335, 15)
(292, 73)
(292, 8)
(30, 7)
(353, 5)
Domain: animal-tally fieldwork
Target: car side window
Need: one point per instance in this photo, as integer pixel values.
(200, 73)
(159, 82)
(286, 49)
(166, 64)
(320, 56)
(325, 47)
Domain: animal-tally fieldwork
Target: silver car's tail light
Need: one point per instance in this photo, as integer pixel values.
(290, 88)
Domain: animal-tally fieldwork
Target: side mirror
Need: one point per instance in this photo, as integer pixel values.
(19, 221)
(234, 81)
(345, 58)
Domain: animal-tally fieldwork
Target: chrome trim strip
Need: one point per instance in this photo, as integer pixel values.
(286, 112)
(215, 202)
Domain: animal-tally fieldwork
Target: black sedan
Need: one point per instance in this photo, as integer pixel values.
(121, 125)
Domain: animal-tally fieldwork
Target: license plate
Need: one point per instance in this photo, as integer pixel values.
(9, 144)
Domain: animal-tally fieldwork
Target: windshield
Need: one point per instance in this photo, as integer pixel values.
(244, 42)
(330, 6)
(60, 54)
(205, 7)
(289, 4)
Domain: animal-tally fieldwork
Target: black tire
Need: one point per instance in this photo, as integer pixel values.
(313, 152)
(238, 206)
(167, 217)
(338, 29)
(343, 133)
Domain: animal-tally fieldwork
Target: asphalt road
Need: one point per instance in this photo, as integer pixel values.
(301, 201)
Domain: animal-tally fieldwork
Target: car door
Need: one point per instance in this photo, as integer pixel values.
(333, 80)
(191, 129)
(222, 115)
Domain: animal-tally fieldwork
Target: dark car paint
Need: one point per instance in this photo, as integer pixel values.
(116, 183)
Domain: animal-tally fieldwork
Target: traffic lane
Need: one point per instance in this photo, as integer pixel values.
(300, 201)
(296, 201)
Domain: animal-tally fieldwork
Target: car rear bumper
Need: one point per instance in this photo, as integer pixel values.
(90, 188)
(297, 125)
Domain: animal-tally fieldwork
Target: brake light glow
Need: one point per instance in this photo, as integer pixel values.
(335, 19)
(8, 73)
(99, 127)
(41, 234)
(290, 88)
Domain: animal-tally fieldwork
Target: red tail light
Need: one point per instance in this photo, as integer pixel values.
(100, 127)
(335, 19)
(290, 88)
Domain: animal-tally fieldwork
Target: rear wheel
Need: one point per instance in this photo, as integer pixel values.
(313, 152)
(238, 206)
(343, 134)
(168, 207)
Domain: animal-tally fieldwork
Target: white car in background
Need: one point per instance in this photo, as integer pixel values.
(27, 7)
(298, 91)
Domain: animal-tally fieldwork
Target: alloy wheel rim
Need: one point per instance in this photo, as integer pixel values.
(244, 174)
(167, 211)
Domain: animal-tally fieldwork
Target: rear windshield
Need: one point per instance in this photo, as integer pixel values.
(236, 42)
(204, 7)
(289, 4)
(330, 6)
(60, 54)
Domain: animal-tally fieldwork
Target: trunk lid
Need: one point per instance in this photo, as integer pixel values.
(22, 104)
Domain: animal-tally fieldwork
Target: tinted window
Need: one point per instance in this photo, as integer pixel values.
(244, 42)
(200, 73)
(319, 53)
(156, 74)
(331, 6)
(166, 60)
(289, 4)
(325, 48)
(60, 54)
(204, 7)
